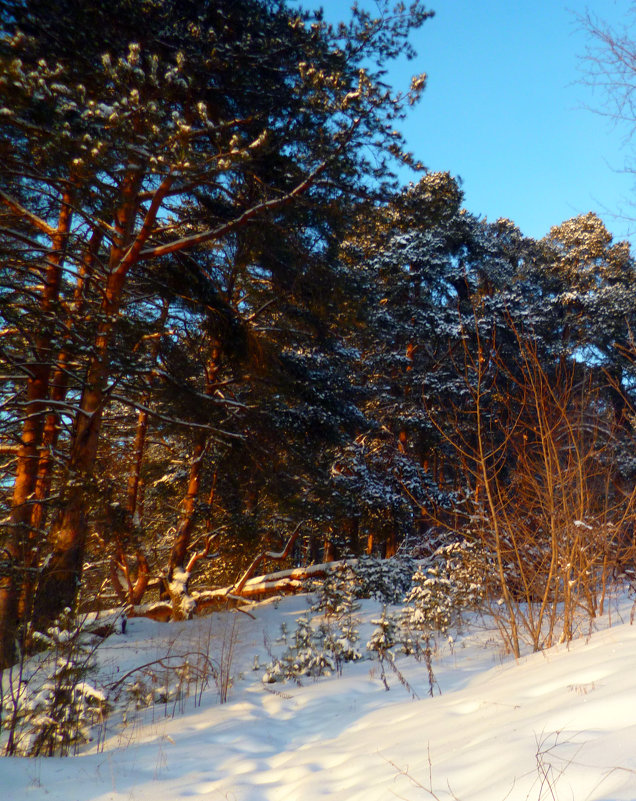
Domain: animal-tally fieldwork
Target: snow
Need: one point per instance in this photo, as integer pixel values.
(560, 724)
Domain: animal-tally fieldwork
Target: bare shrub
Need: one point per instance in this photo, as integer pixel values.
(535, 448)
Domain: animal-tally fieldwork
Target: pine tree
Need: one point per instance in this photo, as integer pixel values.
(175, 127)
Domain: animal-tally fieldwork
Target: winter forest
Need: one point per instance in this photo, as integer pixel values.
(238, 356)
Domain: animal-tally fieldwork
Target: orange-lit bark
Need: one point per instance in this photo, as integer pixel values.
(59, 578)
(20, 543)
(181, 544)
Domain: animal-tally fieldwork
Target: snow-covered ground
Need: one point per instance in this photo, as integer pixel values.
(554, 725)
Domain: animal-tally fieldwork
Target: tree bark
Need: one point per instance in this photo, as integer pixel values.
(178, 555)
(22, 539)
(135, 589)
(60, 576)
(58, 390)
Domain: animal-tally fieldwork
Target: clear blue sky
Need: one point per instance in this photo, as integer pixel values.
(505, 109)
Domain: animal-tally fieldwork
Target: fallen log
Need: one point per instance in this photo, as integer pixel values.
(252, 590)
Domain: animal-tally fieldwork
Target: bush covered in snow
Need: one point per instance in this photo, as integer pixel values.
(318, 651)
(450, 581)
(49, 706)
(386, 580)
(335, 595)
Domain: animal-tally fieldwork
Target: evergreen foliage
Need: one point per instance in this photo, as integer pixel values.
(315, 652)
(171, 195)
(52, 708)
(449, 582)
(223, 320)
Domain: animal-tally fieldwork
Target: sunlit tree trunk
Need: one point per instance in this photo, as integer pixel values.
(58, 390)
(129, 587)
(21, 540)
(60, 576)
(178, 572)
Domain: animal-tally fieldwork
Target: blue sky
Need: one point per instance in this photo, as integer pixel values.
(505, 109)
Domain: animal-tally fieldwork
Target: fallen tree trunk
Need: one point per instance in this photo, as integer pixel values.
(250, 590)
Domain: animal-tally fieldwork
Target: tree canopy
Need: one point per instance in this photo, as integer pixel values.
(224, 323)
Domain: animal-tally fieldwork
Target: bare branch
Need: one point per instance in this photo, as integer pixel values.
(36, 221)
(196, 557)
(278, 557)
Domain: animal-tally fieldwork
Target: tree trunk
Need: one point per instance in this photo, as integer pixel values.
(178, 573)
(58, 389)
(330, 553)
(186, 524)
(60, 576)
(139, 446)
(131, 589)
(351, 526)
(135, 588)
(391, 545)
(22, 539)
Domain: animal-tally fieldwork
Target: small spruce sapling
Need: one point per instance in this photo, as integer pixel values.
(305, 656)
(53, 710)
(335, 594)
(448, 583)
(383, 639)
(324, 650)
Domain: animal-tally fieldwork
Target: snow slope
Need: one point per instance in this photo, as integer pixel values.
(555, 725)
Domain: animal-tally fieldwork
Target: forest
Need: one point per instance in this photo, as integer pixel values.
(231, 341)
